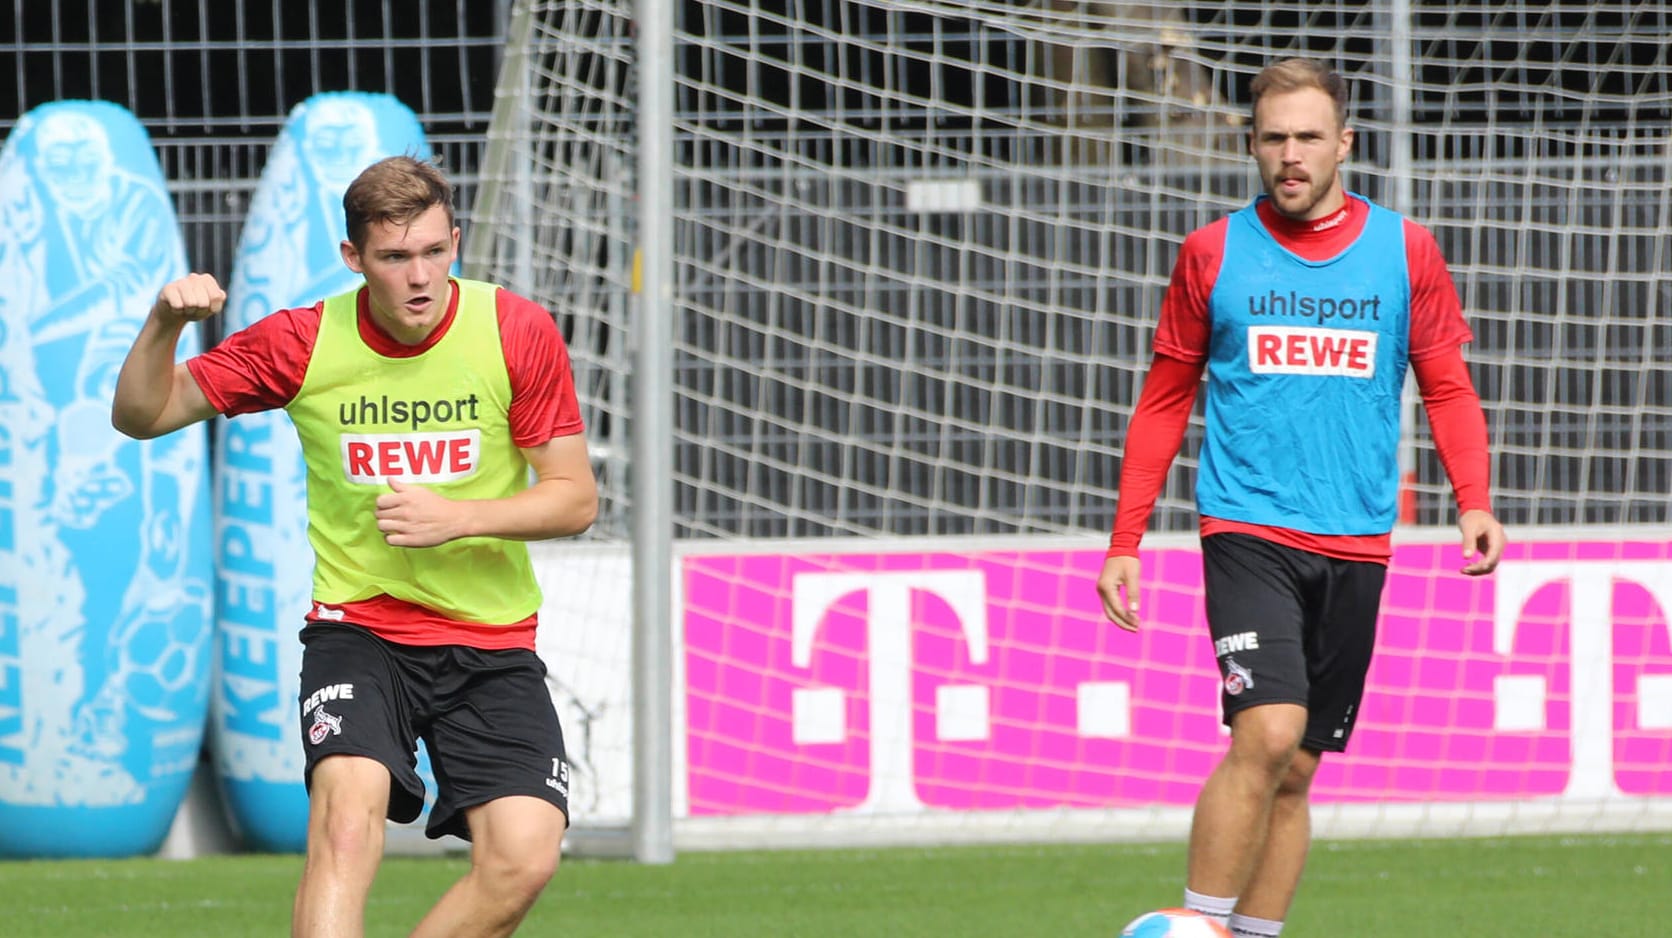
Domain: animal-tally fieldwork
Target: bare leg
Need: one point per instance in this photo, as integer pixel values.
(1234, 811)
(515, 847)
(347, 807)
(1288, 838)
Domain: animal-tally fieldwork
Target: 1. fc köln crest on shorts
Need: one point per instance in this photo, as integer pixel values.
(324, 725)
(1237, 677)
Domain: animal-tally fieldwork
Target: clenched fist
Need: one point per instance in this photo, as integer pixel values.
(192, 298)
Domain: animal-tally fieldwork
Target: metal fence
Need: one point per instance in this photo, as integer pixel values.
(980, 364)
(213, 83)
(1579, 401)
(1566, 287)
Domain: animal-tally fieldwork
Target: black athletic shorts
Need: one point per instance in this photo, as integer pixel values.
(1291, 626)
(486, 718)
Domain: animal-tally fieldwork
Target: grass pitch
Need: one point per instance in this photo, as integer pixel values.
(1545, 887)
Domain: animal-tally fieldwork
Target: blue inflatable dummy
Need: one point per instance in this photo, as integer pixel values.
(287, 257)
(105, 554)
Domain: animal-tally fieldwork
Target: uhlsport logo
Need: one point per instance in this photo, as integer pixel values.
(415, 414)
(1320, 309)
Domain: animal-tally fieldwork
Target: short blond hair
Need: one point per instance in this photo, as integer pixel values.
(1298, 74)
(395, 189)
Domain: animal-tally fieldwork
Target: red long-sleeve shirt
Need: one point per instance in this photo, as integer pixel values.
(1438, 332)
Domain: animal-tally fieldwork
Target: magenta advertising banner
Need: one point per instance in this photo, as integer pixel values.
(889, 683)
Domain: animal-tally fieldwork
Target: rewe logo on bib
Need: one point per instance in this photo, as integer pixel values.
(375, 458)
(1309, 350)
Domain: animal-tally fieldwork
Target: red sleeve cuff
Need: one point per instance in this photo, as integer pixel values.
(1123, 544)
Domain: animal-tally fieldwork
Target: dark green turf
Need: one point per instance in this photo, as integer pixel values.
(1547, 887)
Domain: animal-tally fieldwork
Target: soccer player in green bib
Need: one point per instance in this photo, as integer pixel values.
(440, 430)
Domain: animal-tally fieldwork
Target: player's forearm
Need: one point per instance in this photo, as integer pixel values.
(1140, 485)
(146, 381)
(549, 508)
(1460, 437)
(1458, 425)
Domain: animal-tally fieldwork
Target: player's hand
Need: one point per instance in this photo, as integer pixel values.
(1483, 542)
(413, 516)
(192, 298)
(1118, 586)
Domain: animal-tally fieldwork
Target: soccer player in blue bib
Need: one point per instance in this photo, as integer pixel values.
(1305, 310)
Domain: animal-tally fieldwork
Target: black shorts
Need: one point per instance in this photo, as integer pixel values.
(486, 718)
(1291, 626)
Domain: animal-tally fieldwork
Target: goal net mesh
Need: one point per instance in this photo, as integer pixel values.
(920, 246)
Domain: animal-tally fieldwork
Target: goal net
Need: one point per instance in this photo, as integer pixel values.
(919, 249)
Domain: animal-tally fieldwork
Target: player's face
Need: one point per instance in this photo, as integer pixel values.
(1298, 145)
(406, 267)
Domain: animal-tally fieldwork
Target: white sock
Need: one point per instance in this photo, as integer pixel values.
(1213, 907)
(1247, 926)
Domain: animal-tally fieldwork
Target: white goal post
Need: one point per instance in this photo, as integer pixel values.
(905, 281)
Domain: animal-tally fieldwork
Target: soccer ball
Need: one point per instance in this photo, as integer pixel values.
(1174, 923)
